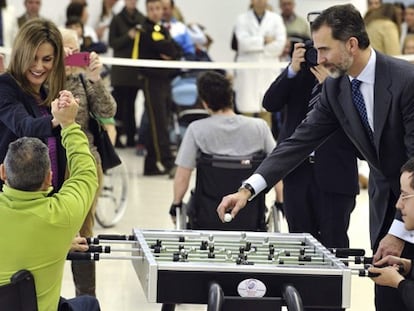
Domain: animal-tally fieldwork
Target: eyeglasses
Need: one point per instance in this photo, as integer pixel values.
(404, 197)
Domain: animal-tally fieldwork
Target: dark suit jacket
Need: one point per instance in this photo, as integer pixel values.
(122, 45)
(335, 166)
(20, 116)
(22, 19)
(393, 137)
(154, 41)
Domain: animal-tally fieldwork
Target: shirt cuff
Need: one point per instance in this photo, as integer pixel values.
(257, 182)
(397, 229)
(291, 73)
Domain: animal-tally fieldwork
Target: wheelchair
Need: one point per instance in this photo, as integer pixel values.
(20, 293)
(112, 202)
(217, 176)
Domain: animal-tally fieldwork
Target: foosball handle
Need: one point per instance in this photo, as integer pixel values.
(347, 252)
(118, 237)
(365, 272)
(82, 256)
(292, 298)
(98, 249)
(92, 241)
(363, 260)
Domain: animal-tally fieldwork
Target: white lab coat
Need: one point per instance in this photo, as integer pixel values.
(10, 28)
(251, 84)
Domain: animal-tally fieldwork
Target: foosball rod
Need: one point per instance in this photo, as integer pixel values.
(98, 256)
(111, 239)
(109, 249)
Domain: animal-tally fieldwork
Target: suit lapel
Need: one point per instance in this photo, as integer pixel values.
(382, 98)
(358, 133)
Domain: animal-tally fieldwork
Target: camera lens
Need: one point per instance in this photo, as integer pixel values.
(311, 54)
(311, 57)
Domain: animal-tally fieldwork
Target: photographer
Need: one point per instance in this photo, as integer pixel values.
(319, 194)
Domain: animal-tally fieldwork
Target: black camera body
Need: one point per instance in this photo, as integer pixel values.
(311, 54)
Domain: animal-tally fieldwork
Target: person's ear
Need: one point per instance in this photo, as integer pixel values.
(353, 44)
(205, 106)
(48, 180)
(2, 172)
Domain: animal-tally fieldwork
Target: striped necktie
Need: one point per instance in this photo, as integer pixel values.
(315, 94)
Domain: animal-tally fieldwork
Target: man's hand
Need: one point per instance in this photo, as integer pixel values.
(298, 56)
(233, 203)
(403, 264)
(2, 68)
(132, 33)
(269, 39)
(93, 71)
(79, 244)
(389, 245)
(320, 73)
(388, 276)
(64, 109)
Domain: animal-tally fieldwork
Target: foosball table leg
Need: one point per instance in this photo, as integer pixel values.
(215, 298)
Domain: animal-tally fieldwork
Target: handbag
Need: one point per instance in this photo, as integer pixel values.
(109, 157)
(101, 140)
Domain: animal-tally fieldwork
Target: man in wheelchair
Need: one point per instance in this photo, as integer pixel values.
(224, 148)
(37, 227)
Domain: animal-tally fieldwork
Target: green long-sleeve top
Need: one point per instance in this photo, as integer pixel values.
(37, 229)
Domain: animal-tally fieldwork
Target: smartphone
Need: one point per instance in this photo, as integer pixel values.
(77, 59)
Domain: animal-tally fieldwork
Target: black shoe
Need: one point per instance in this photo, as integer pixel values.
(171, 172)
(118, 144)
(279, 207)
(130, 142)
(155, 172)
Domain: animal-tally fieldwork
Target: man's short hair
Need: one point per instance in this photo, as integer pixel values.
(345, 22)
(408, 167)
(215, 90)
(27, 164)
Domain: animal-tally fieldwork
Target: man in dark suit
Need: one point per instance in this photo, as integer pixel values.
(126, 81)
(319, 194)
(384, 135)
(32, 11)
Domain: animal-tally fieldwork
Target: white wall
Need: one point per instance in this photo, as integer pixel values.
(218, 16)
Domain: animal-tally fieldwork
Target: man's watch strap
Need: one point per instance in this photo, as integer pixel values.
(248, 187)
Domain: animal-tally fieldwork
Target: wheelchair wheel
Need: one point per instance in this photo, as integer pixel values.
(112, 202)
(292, 298)
(273, 219)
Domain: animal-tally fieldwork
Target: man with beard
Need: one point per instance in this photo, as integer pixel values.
(370, 96)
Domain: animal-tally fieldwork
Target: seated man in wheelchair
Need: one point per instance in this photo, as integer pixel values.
(37, 227)
(223, 134)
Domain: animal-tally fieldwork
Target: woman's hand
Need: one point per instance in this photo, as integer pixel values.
(79, 244)
(93, 71)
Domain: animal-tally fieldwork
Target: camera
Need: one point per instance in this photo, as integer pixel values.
(311, 54)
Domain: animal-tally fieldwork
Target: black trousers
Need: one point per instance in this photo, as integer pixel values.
(310, 209)
(125, 114)
(157, 93)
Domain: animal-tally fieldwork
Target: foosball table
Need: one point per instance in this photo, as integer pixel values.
(177, 267)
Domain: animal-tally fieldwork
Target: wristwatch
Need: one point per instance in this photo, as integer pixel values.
(248, 187)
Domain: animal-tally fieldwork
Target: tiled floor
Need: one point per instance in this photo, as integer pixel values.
(149, 198)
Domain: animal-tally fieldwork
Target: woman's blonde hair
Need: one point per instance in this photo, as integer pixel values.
(31, 35)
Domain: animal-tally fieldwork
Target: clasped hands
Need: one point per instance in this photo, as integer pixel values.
(64, 109)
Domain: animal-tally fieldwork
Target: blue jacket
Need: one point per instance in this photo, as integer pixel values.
(20, 116)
